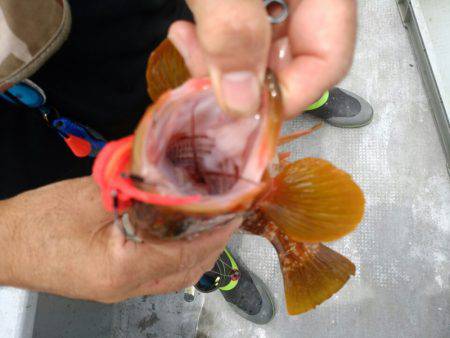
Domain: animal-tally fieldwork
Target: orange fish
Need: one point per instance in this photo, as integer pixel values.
(190, 167)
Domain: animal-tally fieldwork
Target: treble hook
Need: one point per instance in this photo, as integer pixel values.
(284, 11)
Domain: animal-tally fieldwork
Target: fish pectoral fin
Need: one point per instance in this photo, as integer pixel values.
(313, 201)
(312, 273)
(165, 70)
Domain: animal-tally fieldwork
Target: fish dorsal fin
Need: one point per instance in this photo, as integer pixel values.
(165, 70)
(313, 201)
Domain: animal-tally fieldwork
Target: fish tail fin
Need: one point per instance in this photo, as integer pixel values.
(165, 70)
(312, 273)
(313, 201)
(296, 135)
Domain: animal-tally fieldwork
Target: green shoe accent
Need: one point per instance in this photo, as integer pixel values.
(320, 102)
(232, 284)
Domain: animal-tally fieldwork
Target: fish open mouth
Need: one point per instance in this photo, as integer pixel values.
(192, 147)
(208, 150)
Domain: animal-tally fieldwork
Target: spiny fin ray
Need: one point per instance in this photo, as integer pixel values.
(284, 139)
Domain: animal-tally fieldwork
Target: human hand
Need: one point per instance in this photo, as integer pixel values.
(233, 42)
(59, 239)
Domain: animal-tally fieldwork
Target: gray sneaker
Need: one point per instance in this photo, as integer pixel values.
(30, 32)
(250, 298)
(246, 294)
(344, 109)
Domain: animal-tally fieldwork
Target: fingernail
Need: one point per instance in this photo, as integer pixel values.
(280, 55)
(241, 92)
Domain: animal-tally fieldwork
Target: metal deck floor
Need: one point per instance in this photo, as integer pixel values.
(401, 250)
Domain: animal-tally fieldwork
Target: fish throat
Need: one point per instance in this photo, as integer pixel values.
(209, 170)
(193, 147)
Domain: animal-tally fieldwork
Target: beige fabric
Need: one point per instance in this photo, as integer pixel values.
(10, 62)
(30, 32)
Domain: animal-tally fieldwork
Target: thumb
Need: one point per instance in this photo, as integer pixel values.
(234, 36)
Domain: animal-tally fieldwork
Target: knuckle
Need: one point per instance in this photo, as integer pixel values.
(234, 31)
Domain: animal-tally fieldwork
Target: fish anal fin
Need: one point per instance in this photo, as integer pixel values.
(165, 70)
(313, 201)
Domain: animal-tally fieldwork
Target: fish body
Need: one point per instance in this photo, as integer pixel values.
(191, 167)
